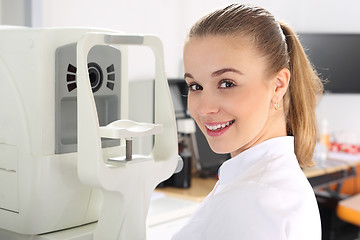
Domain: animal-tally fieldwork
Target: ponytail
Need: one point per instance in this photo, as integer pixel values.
(301, 98)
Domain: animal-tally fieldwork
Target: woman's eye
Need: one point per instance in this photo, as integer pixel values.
(226, 84)
(194, 87)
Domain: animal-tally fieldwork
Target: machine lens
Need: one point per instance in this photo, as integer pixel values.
(95, 76)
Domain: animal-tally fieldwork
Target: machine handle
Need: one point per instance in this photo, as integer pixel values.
(124, 39)
(127, 129)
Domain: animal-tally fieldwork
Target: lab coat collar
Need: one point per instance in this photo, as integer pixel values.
(255, 157)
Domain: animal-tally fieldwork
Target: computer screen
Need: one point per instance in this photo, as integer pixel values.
(336, 58)
(179, 98)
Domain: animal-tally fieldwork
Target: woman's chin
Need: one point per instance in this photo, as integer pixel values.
(220, 149)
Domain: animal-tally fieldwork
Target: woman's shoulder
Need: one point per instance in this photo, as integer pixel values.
(286, 190)
(249, 204)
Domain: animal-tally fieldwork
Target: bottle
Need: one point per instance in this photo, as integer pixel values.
(324, 140)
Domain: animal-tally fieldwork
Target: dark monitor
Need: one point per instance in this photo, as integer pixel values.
(178, 91)
(336, 58)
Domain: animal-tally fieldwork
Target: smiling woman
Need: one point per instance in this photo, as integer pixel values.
(232, 88)
(252, 92)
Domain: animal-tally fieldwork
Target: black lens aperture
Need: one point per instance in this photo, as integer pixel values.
(95, 76)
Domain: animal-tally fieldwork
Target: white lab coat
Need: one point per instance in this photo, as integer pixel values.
(262, 193)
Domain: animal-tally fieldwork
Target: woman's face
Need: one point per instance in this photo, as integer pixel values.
(230, 96)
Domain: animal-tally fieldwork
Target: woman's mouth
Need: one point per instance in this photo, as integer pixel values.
(218, 129)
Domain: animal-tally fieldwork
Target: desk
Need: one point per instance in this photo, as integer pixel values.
(200, 188)
(327, 178)
(324, 173)
(334, 170)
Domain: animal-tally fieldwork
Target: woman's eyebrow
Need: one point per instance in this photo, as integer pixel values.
(217, 73)
(188, 75)
(224, 70)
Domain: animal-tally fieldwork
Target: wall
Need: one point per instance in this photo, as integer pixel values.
(14, 12)
(170, 20)
(316, 15)
(167, 19)
(342, 112)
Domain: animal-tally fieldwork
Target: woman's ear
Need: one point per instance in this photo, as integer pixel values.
(282, 80)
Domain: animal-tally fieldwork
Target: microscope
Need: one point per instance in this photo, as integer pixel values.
(67, 170)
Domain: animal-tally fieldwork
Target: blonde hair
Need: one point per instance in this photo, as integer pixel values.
(279, 43)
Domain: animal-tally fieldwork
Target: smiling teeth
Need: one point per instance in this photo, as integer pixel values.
(219, 126)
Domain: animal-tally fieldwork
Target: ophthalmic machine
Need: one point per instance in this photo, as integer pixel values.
(67, 170)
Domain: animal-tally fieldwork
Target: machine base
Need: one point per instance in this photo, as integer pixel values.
(84, 232)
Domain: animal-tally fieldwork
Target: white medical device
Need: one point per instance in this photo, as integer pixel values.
(65, 136)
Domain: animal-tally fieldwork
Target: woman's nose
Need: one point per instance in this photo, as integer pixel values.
(208, 104)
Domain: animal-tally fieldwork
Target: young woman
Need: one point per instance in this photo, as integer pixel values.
(253, 92)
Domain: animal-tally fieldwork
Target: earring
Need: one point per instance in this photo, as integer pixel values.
(276, 106)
